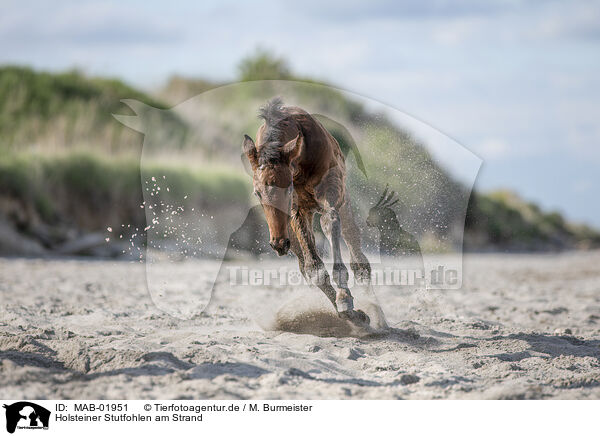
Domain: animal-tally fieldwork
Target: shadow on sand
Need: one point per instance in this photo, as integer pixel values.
(157, 363)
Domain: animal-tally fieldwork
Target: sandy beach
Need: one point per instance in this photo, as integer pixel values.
(521, 327)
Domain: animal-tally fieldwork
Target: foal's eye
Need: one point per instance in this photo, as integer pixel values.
(257, 193)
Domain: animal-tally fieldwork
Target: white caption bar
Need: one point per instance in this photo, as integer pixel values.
(23, 417)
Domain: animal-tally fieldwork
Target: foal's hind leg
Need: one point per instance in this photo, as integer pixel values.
(331, 226)
(351, 233)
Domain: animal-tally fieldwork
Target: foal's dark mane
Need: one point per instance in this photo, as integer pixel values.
(276, 121)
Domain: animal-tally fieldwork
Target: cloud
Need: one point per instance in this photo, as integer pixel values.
(581, 20)
(85, 24)
(581, 186)
(493, 149)
(458, 31)
(358, 10)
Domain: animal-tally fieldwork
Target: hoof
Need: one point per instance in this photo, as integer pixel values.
(357, 317)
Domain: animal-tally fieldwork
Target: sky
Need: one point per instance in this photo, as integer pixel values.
(515, 82)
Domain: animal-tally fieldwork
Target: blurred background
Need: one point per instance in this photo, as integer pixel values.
(515, 82)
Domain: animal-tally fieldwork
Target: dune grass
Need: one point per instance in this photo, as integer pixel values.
(507, 219)
(90, 189)
(67, 110)
(64, 158)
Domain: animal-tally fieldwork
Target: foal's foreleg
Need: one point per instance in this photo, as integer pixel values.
(313, 268)
(297, 250)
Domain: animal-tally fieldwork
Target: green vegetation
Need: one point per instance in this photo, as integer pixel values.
(262, 65)
(66, 162)
(90, 191)
(508, 221)
(68, 110)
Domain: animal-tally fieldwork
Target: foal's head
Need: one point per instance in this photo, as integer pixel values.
(274, 185)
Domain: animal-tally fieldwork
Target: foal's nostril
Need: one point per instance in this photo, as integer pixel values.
(286, 245)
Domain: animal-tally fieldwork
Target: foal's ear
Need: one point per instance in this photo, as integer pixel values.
(249, 149)
(293, 148)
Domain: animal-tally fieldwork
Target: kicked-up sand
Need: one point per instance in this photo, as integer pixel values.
(521, 327)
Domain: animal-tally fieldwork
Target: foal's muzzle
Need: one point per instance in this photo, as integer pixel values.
(281, 246)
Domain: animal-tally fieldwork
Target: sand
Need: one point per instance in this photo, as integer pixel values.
(522, 326)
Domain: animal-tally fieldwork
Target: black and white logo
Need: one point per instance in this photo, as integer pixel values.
(26, 415)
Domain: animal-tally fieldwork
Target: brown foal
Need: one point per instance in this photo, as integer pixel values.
(298, 170)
